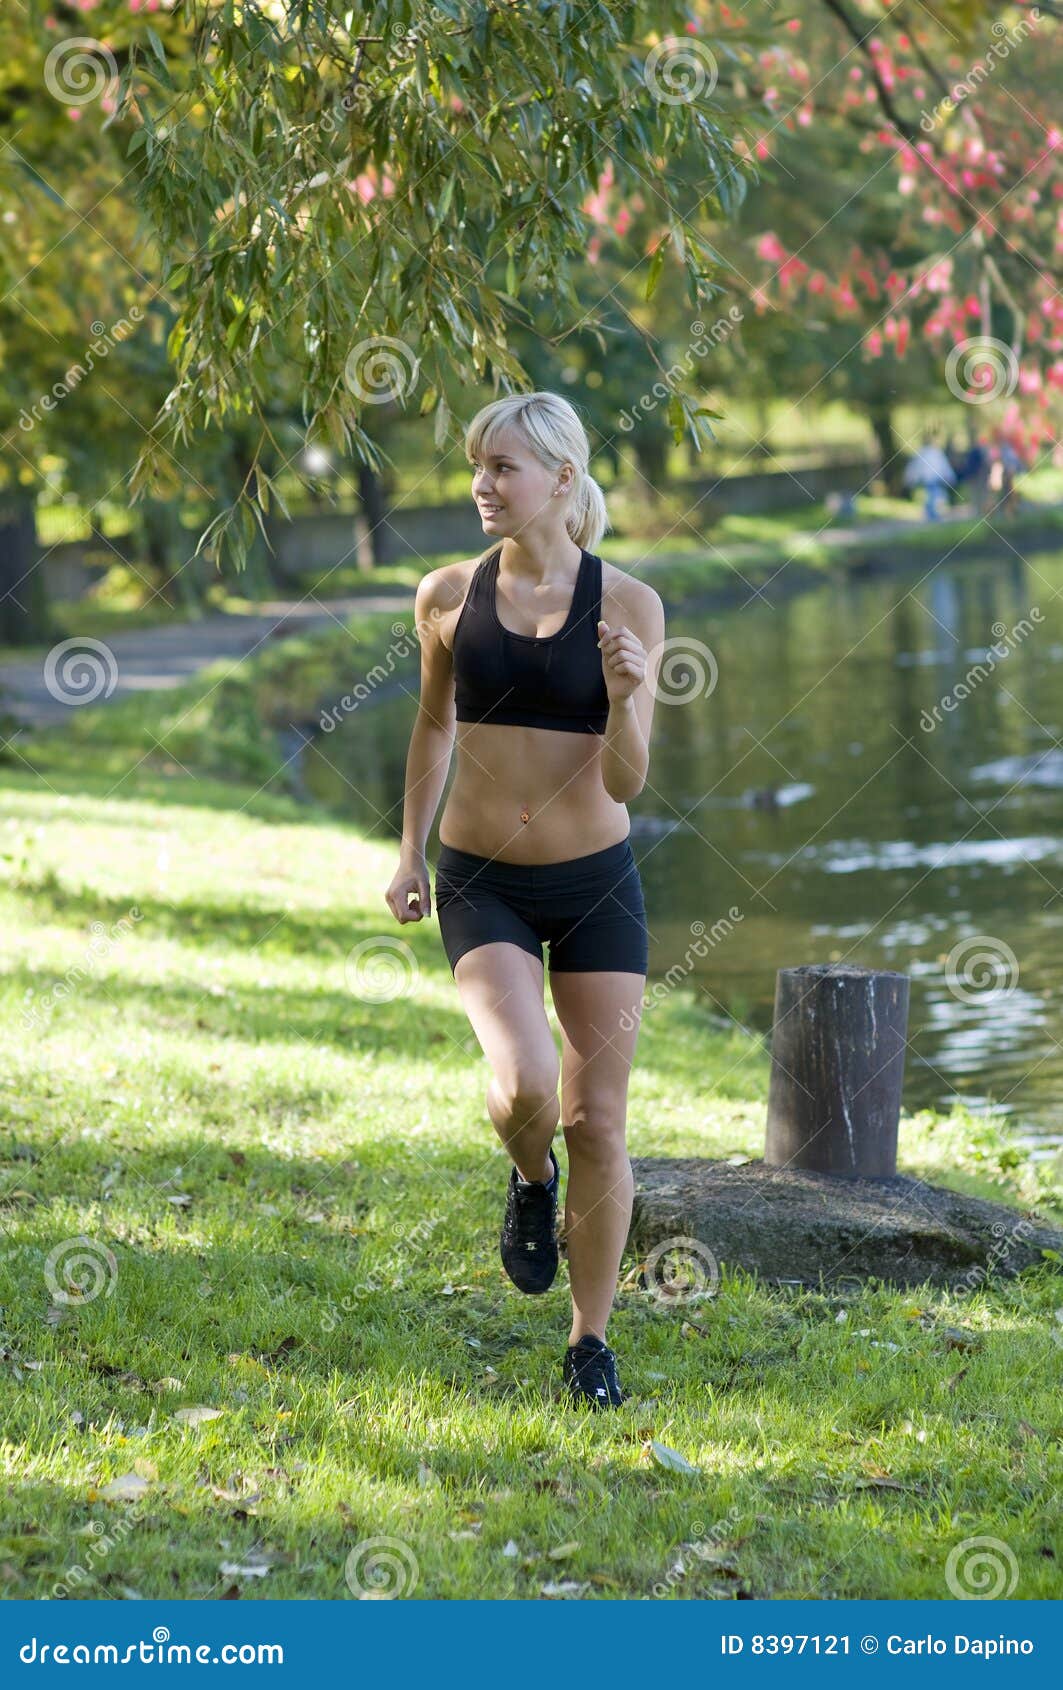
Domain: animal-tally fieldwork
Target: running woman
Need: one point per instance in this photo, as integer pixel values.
(534, 658)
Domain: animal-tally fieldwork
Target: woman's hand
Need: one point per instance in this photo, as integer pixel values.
(411, 876)
(623, 660)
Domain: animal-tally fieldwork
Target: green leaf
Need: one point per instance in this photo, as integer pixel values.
(670, 1458)
(656, 266)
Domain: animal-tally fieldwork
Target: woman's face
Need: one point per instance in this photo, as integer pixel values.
(514, 492)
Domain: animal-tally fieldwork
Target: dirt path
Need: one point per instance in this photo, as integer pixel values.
(154, 659)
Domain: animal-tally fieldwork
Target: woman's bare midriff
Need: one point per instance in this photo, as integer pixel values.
(504, 772)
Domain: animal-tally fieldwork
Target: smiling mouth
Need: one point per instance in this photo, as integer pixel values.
(490, 510)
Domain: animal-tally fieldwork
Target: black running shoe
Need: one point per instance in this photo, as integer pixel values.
(527, 1244)
(590, 1373)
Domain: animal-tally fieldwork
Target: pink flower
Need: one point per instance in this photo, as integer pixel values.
(770, 248)
(623, 221)
(873, 343)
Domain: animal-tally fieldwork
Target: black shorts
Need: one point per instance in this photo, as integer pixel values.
(589, 910)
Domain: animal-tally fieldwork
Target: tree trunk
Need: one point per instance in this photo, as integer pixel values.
(891, 468)
(24, 613)
(834, 1095)
(374, 509)
(651, 456)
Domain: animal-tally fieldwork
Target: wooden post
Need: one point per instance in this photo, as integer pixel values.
(837, 1066)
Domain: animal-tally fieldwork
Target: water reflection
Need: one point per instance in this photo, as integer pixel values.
(861, 784)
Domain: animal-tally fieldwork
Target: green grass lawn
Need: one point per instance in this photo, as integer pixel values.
(290, 1336)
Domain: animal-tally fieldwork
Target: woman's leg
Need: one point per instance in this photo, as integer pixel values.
(501, 990)
(599, 1015)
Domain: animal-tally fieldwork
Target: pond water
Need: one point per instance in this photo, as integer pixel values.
(868, 772)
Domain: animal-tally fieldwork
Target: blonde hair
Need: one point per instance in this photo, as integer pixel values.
(552, 430)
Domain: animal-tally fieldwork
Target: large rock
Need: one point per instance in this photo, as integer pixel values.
(809, 1227)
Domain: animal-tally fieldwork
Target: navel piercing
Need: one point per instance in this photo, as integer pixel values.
(525, 814)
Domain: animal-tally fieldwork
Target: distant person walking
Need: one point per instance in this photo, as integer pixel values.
(929, 468)
(1006, 465)
(974, 472)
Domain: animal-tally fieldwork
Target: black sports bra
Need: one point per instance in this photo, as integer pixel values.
(552, 682)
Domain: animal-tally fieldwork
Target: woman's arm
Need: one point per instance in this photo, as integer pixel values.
(630, 661)
(432, 738)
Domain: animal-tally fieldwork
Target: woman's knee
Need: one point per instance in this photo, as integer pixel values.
(597, 1131)
(529, 1087)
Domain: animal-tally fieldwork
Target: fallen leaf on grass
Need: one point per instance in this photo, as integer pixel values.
(670, 1458)
(691, 1329)
(564, 1587)
(181, 1200)
(956, 1338)
(562, 1551)
(244, 1570)
(511, 1548)
(129, 1488)
(196, 1414)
